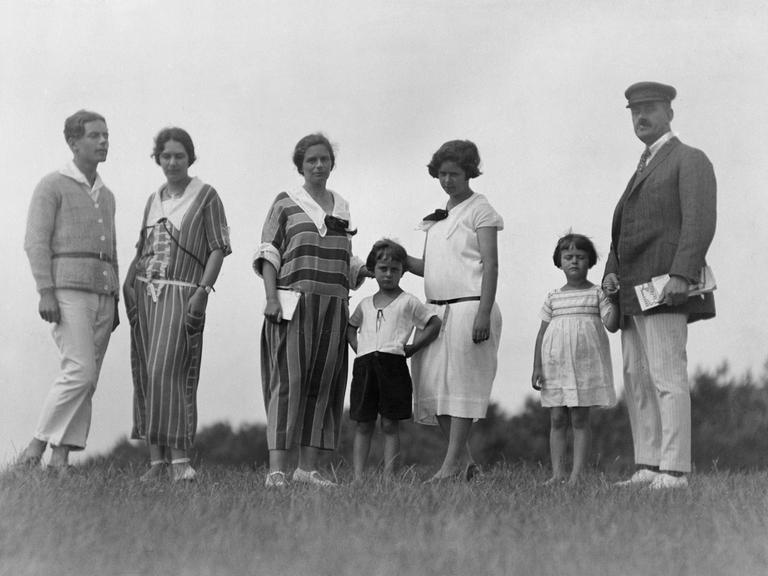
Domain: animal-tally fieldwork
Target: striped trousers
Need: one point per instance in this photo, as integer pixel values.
(656, 389)
(304, 374)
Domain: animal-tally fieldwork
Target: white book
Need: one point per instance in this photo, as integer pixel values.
(649, 294)
(289, 299)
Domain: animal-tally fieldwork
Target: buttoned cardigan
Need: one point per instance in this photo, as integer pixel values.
(70, 238)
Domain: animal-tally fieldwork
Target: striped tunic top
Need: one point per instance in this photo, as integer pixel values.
(204, 230)
(305, 260)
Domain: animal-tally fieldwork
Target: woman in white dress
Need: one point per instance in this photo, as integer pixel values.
(453, 376)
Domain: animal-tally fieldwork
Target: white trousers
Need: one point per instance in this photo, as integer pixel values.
(656, 389)
(82, 335)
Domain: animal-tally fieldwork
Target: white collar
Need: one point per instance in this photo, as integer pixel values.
(70, 170)
(305, 201)
(174, 209)
(653, 148)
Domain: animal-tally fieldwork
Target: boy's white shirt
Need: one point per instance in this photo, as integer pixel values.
(397, 321)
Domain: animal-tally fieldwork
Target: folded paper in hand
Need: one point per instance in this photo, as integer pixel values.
(649, 294)
(289, 299)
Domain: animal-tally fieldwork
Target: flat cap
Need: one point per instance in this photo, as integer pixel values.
(649, 92)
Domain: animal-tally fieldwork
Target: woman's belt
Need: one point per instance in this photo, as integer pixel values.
(164, 281)
(453, 300)
(96, 255)
(155, 285)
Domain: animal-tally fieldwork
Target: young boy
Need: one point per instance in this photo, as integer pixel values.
(378, 332)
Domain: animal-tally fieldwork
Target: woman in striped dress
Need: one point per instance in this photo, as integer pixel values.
(183, 242)
(306, 251)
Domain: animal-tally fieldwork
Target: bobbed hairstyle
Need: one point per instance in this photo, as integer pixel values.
(300, 150)
(386, 248)
(578, 241)
(179, 135)
(463, 152)
(74, 126)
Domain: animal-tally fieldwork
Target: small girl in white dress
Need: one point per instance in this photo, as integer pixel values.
(572, 358)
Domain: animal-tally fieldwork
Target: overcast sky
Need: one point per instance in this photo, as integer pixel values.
(538, 86)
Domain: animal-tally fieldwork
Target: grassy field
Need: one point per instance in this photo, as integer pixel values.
(102, 521)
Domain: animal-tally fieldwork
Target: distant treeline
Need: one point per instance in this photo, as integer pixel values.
(730, 431)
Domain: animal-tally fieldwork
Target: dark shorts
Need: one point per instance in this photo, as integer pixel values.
(381, 384)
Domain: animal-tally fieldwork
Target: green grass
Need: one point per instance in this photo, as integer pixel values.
(102, 521)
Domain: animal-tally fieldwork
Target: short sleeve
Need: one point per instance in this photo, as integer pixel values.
(216, 228)
(272, 238)
(420, 312)
(485, 216)
(546, 310)
(605, 305)
(356, 319)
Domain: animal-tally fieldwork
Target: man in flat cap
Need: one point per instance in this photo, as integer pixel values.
(663, 224)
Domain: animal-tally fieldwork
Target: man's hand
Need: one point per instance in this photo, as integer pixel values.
(49, 306)
(611, 285)
(675, 291)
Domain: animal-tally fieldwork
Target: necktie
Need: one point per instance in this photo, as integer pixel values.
(643, 160)
(436, 216)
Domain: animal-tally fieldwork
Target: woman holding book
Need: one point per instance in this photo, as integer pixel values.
(306, 250)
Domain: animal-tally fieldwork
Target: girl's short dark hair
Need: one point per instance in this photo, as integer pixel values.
(306, 143)
(463, 152)
(578, 241)
(386, 248)
(74, 126)
(179, 135)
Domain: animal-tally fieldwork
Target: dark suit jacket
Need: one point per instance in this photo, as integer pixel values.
(664, 224)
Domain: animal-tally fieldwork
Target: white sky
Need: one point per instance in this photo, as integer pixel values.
(537, 85)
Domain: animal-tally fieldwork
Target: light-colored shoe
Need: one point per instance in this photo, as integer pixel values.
(276, 479)
(667, 481)
(157, 469)
(181, 471)
(640, 477)
(311, 477)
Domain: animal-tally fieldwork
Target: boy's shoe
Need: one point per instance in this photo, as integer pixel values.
(640, 477)
(311, 477)
(664, 481)
(276, 479)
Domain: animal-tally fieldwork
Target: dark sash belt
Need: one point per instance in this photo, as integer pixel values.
(96, 255)
(454, 300)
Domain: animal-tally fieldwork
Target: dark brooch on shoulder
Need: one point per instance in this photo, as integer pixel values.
(338, 225)
(436, 216)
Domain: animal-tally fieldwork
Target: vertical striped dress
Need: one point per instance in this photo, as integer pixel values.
(304, 360)
(166, 342)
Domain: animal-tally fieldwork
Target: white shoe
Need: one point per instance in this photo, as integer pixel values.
(642, 476)
(181, 471)
(664, 481)
(276, 479)
(312, 477)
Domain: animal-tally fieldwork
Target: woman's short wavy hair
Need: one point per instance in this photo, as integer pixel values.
(462, 152)
(179, 135)
(74, 126)
(578, 241)
(300, 150)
